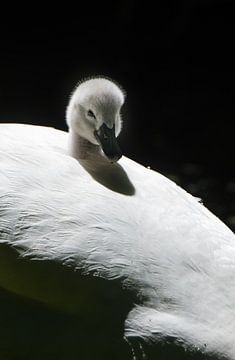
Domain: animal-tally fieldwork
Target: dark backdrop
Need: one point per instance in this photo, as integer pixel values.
(174, 58)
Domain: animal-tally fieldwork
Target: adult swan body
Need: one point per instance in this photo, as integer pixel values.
(77, 229)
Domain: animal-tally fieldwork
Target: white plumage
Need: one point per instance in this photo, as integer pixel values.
(156, 239)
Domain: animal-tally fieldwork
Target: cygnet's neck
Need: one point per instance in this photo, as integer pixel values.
(82, 149)
(90, 157)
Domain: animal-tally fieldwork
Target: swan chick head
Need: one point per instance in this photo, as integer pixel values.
(94, 114)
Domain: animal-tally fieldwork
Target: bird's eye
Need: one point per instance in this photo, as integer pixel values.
(91, 114)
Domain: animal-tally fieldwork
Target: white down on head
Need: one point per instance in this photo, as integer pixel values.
(152, 237)
(93, 114)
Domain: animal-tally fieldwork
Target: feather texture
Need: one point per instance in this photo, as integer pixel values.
(160, 242)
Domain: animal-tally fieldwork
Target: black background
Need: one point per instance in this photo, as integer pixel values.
(174, 59)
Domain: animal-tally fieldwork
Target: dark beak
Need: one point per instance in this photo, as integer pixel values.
(108, 142)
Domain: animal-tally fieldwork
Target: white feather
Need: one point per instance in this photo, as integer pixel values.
(159, 241)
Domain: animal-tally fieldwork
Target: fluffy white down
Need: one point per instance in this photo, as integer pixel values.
(161, 241)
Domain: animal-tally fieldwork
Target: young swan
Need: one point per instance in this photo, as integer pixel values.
(93, 117)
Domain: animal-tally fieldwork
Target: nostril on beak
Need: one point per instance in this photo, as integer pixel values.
(107, 140)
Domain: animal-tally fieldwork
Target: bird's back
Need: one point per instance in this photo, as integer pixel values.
(160, 243)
